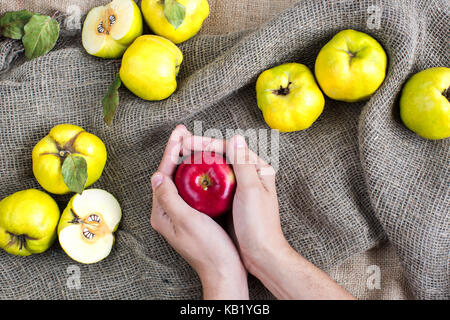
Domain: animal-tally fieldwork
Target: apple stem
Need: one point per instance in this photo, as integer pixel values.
(205, 182)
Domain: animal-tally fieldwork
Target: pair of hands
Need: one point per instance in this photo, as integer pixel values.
(220, 259)
(254, 242)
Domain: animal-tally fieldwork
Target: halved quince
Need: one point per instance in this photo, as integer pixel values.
(87, 225)
(109, 30)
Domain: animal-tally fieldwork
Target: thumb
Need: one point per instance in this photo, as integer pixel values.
(243, 161)
(166, 194)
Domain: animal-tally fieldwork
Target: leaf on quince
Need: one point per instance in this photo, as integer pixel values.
(12, 23)
(41, 34)
(74, 172)
(174, 12)
(111, 100)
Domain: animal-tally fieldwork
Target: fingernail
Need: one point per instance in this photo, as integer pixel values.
(181, 127)
(156, 180)
(239, 142)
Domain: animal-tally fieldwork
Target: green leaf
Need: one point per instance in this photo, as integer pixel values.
(12, 23)
(174, 12)
(41, 34)
(111, 100)
(74, 172)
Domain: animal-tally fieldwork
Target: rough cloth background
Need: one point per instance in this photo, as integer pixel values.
(354, 179)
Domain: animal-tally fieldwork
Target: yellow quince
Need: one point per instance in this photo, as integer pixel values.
(351, 66)
(28, 222)
(176, 20)
(67, 142)
(150, 67)
(289, 97)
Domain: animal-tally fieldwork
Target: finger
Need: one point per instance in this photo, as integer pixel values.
(199, 143)
(168, 200)
(173, 150)
(243, 162)
(267, 174)
(159, 220)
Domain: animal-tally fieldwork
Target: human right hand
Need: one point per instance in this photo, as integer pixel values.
(256, 227)
(256, 220)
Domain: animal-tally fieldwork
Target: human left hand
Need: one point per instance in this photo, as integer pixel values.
(200, 240)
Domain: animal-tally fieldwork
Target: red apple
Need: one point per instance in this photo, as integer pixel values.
(207, 183)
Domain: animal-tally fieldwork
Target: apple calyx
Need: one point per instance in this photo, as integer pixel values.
(21, 239)
(282, 91)
(91, 226)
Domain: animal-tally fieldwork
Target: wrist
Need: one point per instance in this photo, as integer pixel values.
(225, 283)
(267, 256)
(273, 268)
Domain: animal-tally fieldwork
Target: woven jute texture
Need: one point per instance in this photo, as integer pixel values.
(355, 178)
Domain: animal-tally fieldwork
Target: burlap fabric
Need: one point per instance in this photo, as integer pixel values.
(353, 179)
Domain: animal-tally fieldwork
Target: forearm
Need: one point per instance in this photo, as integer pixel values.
(290, 276)
(221, 286)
